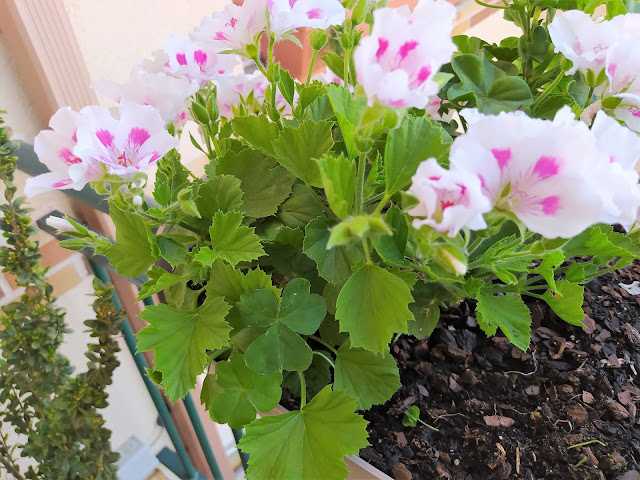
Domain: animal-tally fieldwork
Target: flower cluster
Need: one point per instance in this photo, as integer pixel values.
(607, 52)
(557, 177)
(397, 62)
(89, 145)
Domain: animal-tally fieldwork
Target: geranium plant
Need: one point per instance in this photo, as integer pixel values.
(341, 210)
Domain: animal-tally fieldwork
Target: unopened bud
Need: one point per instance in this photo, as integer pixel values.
(137, 200)
(60, 224)
(451, 259)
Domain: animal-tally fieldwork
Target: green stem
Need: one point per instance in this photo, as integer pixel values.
(362, 160)
(347, 54)
(320, 354)
(373, 199)
(548, 90)
(428, 426)
(322, 342)
(259, 64)
(303, 390)
(490, 6)
(314, 56)
(367, 250)
(589, 97)
(383, 202)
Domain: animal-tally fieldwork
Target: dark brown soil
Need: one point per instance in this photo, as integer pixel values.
(502, 414)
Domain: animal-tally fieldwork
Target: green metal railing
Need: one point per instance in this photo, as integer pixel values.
(178, 462)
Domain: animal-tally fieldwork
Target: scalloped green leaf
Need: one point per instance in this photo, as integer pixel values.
(308, 444)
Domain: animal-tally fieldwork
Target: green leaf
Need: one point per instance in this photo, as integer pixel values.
(356, 228)
(335, 63)
(180, 340)
(221, 193)
(230, 241)
(159, 279)
(228, 282)
(265, 184)
(392, 248)
(258, 131)
(566, 300)
(308, 444)
(372, 379)
(506, 94)
(411, 416)
(488, 85)
(234, 393)
(135, 249)
(425, 309)
(548, 266)
(287, 86)
(300, 208)
(507, 312)
(335, 264)
(339, 183)
(348, 111)
(281, 347)
(372, 306)
(417, 139)
(173, 252)
(296, 147)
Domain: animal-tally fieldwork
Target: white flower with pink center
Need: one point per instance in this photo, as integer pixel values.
(287, 16)
(196, 61)
(616, 174)
(166, 93)
(449, 199)
(540, 170)
(55, 148)
(629, 111)
(234, 28)
(582, 40)
(397, 62)
(125, 146)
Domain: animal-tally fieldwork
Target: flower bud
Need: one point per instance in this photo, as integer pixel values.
(318, 39)
(60, 224)
(452, 259)
(137, 200)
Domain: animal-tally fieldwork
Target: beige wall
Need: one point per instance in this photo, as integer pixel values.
(13, 99)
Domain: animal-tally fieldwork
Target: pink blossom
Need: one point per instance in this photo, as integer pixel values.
(166, 93)
(397, 62)
(234, 28)
(60, 224)
(583, 41)
(196, 61)
(449, 199)
(623, 65)
(287, 16)
(616, 174)
(432, 109)
(540, 170)
(125, 146)
(55, 148)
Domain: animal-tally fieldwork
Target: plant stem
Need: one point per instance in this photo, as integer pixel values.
(490, 6)
(303, 390)
(322, 342)
(320, 354)
(548, 90)
(11, 468)
(589, 97)
(367, 251)
(383, 202)
(428, 426)
(314, 56)
(259, 65)
(360, 183)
